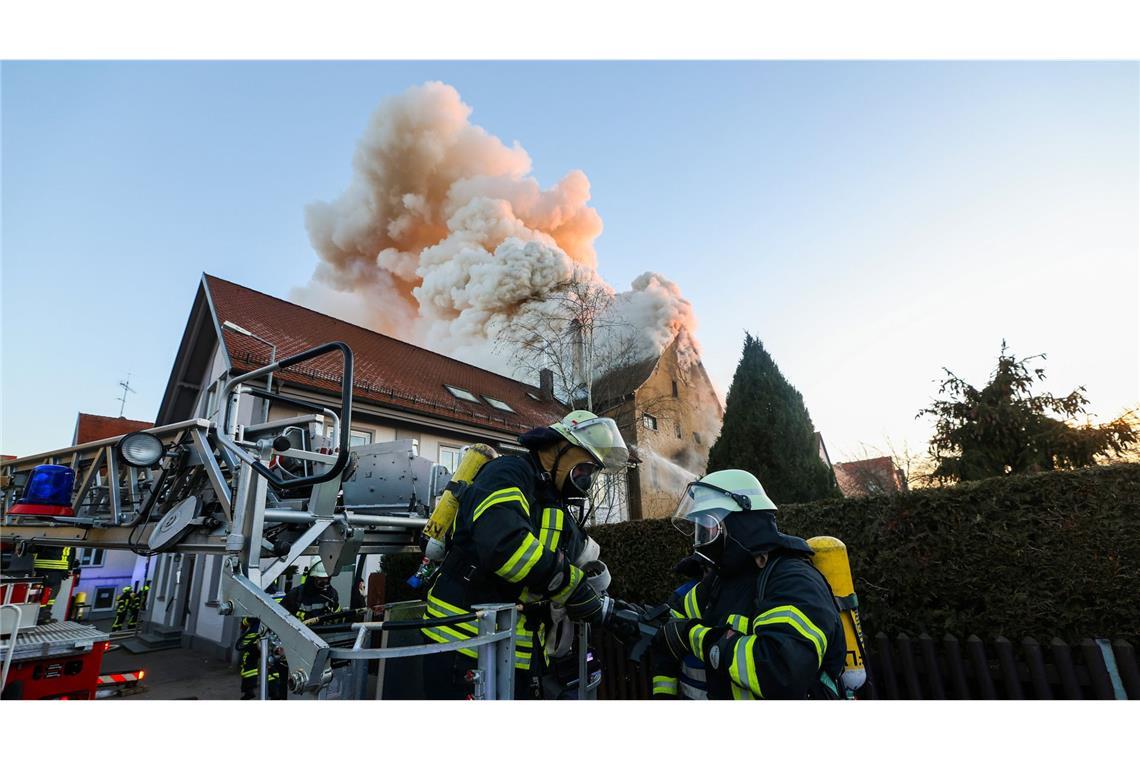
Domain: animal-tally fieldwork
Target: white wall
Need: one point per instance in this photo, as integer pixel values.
(119, 568)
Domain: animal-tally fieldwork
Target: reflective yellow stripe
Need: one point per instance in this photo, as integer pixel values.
(552, 523)
(676, 613)
(743, 669)
(576, 576)
(697, 640)
(520, 563)
(444, 635)
(665, 685)
(792, 616)
(447, 606)
(738, 623)
(470, 628)
(502, 496)
(692, 609)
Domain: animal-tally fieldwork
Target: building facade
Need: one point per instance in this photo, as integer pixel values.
(401, 392)
(669, 412)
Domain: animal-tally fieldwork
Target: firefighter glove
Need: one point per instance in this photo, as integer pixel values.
(673, 637)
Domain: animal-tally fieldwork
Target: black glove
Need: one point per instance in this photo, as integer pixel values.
(624, 620)
(690, 567)
(673, 637)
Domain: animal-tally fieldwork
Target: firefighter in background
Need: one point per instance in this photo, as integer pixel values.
(54, 563)
(763, 620)
(315, 598)
(315, 602)
(122, 608)
(249, 647)
(514, 541)
(133, 609)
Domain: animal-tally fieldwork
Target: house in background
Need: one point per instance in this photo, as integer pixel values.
(400, 392)
(669, 413)
(104, 572)
(869, 477)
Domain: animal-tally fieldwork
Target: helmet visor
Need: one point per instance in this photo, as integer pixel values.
(701, 513)
(600, 437)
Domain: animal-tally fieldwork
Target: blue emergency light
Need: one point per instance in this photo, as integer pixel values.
(48, 492)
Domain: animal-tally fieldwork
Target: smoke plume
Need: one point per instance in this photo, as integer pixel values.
(443, 237)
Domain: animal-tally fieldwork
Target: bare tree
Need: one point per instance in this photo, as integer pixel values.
(576, 334)
(914, 467)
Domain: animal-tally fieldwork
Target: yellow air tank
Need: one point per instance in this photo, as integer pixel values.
(830, 558)
(443, 517)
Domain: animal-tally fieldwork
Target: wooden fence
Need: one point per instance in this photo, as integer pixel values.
(946, 668)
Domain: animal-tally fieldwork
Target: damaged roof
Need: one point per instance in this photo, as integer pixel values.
(617, 384)
(388, 372)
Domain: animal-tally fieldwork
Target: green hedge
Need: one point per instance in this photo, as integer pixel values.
(1056, 554)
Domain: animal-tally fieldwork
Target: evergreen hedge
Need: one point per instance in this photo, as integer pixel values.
(1056, 554)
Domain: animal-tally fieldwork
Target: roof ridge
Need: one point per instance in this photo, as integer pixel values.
(116, 419)
(372, 332)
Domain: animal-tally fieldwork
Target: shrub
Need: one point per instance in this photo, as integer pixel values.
(1056, 554)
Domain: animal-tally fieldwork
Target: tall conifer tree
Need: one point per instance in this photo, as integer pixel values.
(768, 432)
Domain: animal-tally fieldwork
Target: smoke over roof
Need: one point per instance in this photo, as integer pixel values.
(443, 238)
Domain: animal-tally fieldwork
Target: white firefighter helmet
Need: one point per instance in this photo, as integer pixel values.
(599, 436)
(318, 570)
(706, 502)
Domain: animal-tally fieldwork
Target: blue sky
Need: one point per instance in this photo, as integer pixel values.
(870, 222)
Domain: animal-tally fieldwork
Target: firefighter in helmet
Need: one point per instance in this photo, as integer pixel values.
(762, 620)
(315, 598)
(514, 541)
(122, 608)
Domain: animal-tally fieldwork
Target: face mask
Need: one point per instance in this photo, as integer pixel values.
(581, 477)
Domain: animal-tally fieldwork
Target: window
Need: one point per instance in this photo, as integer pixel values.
(533, 396)
(498, 404)
(90, 557)
(359, 438)
(675, 389)
(104, 598)
(677, 429)
(460, 393)
(449, 457)
(649, 421)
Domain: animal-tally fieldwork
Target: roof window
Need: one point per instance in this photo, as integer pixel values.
(503, 405)
(461, 394)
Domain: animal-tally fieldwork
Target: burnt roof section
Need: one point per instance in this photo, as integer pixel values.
(616, 385)
(388, 372)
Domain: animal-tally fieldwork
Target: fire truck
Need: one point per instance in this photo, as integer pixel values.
(55, 660)
(261, 494)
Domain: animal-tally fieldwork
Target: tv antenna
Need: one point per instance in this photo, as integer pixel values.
(126, 386)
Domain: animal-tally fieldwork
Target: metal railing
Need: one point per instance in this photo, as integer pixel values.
(492, 676)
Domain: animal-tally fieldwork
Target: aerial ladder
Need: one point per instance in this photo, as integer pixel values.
(262, 496)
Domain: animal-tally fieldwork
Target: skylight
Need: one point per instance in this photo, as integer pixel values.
(460, 393)
(498, 404)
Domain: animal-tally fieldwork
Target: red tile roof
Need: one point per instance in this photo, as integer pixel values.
(867, 476)
(95, 427)
(389, 372)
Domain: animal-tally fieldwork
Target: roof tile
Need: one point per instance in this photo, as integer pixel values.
(386, 370)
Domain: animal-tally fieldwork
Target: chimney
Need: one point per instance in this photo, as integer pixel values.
(546, 384)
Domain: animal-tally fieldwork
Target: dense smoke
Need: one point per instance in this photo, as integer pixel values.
(443, 238)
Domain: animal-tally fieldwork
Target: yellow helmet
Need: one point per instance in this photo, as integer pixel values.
(599, 436)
